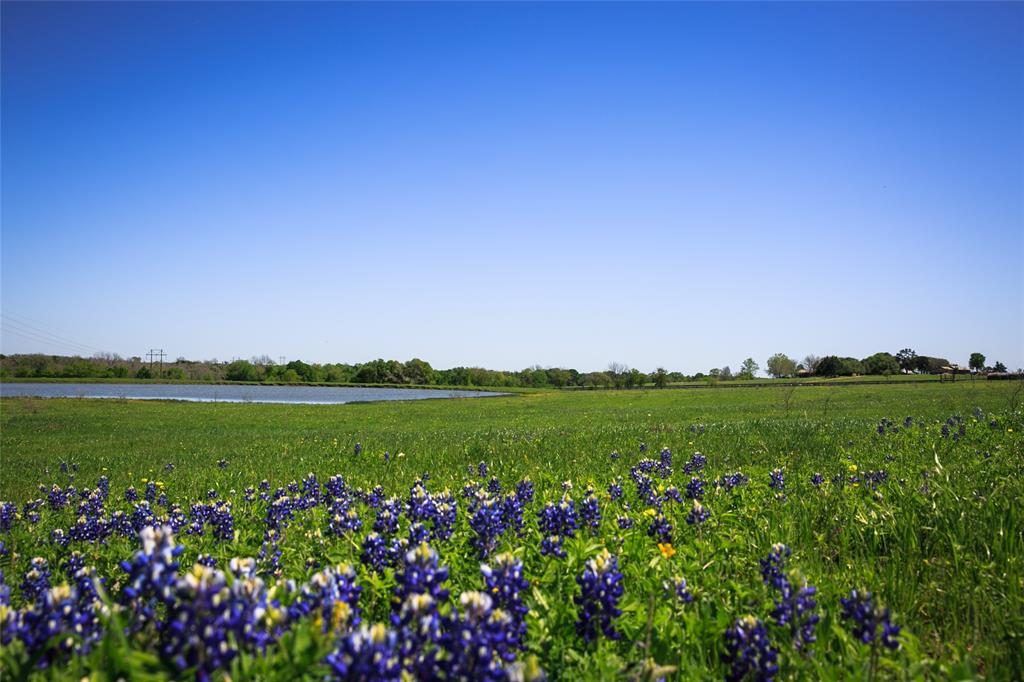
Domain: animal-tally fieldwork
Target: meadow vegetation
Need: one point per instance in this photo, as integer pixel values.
(793, 532)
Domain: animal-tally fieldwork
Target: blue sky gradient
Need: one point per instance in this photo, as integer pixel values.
(505, 185)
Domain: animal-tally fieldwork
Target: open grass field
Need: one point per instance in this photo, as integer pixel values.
(922, 510)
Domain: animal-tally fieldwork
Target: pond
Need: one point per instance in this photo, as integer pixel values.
(233, 393)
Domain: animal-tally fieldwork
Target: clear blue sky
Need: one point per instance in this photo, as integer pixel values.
(681, 185)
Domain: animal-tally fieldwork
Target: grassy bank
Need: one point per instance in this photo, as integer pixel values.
(939, 540)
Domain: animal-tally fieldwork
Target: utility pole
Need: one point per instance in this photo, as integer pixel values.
(280, 359)
(159, 352)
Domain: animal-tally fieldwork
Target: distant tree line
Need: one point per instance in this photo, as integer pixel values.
(419, 372)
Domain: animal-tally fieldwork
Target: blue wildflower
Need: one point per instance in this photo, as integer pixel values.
(600, 590)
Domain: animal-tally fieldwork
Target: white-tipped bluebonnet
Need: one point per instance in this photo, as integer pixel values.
(749, 652)
(557, 521)
(367, 654)
(421, 574)
(36, 581)
(375, 553)
(660, 529)
(698, 514)
(331, 597)
(487, 522)
(152, 572)
(598, 602)
(505, 583)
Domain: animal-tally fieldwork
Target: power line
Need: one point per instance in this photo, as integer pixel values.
(39, 339)
(46, 337)
(31, 328)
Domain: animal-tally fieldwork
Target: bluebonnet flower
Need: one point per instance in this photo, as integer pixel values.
(773, 568)
(794, 607)
(681, 591)
(58, 537)
(696, 464)
(557, 522)
(142, 516)
(375, 554)
(343, 517)
(625, 522)
(817, 479)
(269, 557)
(279, 513)
(749, 652)
(494, 485)
(660, 529)
(418, 533)
(481, 469)
(56, 498)
(665, 463)
(615, 490)
(908, 422)
(332, 596)
(512, 512)
(222, 464)
(150, 492)
(487, 523)
(209, 619)
(590, 511)
(698, 514)
(152, 572)
(421, 506)
(211, 494)
(600, 591)
(61, 622)
(730, 481)
(695, 488)
(480, 642)
(672, 493)
(223, 522)
(131, 494)
(8, 511)
(445, 515)
(358, 449)
(388, 515)
(421, 574)
(643, 447)
(869, 622)
(369, 653)
(524, 491)
(505, 583)
(207, 560)
(615, 455)
(777, 480)
(37, 580)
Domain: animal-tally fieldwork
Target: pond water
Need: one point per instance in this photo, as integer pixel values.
(228, 393)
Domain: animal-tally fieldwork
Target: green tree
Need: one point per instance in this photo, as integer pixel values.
(418, 372)
(830, 366)
(977, 362)
(881, 364)
(907, 359)
(660, 377)
(240, 370)
(999, 367)
(748, 369)
(780, 365)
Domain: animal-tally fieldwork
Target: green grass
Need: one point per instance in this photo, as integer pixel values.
(941, 543)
